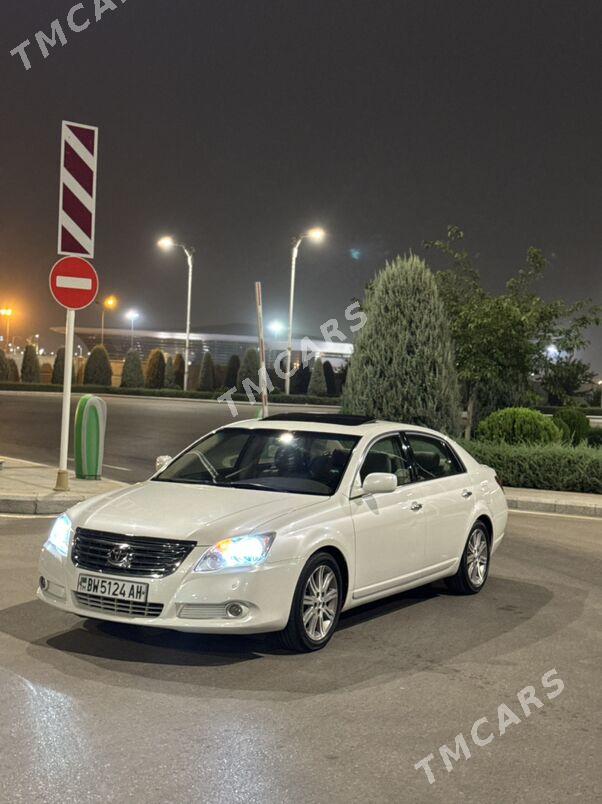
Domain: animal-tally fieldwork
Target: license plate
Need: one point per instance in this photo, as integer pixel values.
(109, 587)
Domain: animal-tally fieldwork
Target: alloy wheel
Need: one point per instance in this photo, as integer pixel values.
(477, 557)
(320, 602)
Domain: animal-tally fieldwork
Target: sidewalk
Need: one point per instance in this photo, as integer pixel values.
(28, 488)
(554, 502)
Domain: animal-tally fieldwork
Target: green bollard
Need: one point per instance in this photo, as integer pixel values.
(90, 428)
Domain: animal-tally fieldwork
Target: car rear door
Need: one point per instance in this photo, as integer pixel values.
(442, 479)
(390, 528)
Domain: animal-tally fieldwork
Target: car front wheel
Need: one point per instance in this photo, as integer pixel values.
(474, 566)
(316, 605)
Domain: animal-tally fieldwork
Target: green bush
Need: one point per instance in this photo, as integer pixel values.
(4, 371)
(13, 371)
(30, 368)
(232, 371)
(317, 382)
(542, 466)
(518, 426)
(576, 423)
(249, 368)
(155, 370)
(132, 375)
(58, 370)
(170, 376)
(207, 376)
(594, 438)
(178, 370)
(98, 369)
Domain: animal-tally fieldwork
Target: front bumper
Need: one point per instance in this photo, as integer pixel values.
(194, 602)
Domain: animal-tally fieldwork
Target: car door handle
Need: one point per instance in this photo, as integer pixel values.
(415, 506)
(466, 494)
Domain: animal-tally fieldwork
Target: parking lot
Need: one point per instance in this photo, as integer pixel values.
(102, 712)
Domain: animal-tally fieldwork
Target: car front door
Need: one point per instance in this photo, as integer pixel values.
(390, 528)
(443, 480)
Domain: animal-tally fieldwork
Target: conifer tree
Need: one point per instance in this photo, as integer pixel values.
(132, 376)
(317, 382)
(207, 376)
(98, 369)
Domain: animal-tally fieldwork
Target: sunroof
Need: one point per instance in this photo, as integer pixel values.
(346, 419)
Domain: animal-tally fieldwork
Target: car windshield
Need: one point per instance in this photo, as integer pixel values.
(269, 460)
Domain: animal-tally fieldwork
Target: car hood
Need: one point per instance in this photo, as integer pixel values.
(184, 511)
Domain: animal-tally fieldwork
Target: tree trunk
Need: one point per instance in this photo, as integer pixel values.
(470, 408)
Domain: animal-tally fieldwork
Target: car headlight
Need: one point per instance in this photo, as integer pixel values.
(240, 551)
(59, 535)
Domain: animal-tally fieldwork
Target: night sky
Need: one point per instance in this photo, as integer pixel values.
(236, 124)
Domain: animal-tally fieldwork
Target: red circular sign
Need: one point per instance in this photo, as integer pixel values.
(74, 283)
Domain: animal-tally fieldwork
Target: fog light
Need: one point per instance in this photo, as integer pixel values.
(43, 583)
(234, 610)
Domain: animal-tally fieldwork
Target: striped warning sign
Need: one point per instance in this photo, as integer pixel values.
(77, 206)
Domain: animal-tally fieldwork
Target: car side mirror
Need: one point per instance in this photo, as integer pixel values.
(161, 462)
(379, 483)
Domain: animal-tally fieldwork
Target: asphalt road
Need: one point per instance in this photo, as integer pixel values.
(108, 713)
(138, 429)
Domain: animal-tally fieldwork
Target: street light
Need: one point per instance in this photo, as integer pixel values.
(276, 328)
(110, 303)
(7, 313)
(317, 235)
(167, 244)
(132, 315)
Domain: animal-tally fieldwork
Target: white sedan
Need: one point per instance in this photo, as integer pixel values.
(279, 524)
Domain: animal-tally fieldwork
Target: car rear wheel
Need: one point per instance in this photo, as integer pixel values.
(316, 605)
(474, 566)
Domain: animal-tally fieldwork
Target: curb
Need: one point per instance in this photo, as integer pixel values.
(564, 508)
(39, 505)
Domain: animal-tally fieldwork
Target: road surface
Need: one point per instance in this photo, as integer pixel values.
(97, 712)
(139, 428)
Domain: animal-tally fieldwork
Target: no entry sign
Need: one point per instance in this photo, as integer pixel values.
(73, 283)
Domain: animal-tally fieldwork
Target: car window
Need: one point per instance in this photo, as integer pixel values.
(433, 458)
(270, 460)
(387, 455)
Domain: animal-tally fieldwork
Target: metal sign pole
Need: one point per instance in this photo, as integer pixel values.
(262, 369)
(62, 478)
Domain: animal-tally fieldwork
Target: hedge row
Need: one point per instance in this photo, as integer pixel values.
(291, 399)
(542, 466)
(552, 410)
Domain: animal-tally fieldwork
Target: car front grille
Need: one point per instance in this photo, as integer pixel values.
(128, 555)
(111, 605)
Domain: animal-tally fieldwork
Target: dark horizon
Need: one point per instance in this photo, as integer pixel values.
(236, 126)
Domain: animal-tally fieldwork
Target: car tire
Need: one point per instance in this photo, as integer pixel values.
(474, 564)
(316, 605)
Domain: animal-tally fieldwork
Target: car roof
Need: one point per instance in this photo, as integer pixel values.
(317, 424)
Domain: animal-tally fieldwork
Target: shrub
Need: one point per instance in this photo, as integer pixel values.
(300, 380)
(576, 422)
(13, 371)
(155, 370)
(518, 426)
(542, 466)
(207, 376)
(178, 370)
(594, 438)
(30, 368)
(3, 367)
(46, 373)
(98, 369)
(232, 370)
(402, 367)
(329, 376)
(58, 370)
(317, 382)
(132, 376)
(169, 372)
(249, 368)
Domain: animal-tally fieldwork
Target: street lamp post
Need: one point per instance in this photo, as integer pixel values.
(110, 303)
(317, 235)
(167, 243)
(132, 315)
(7, 313)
